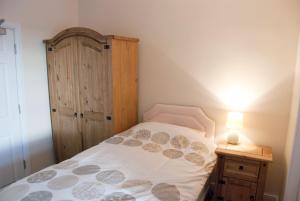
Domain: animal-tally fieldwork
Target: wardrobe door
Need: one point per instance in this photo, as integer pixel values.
(93, 78)
(63, 98)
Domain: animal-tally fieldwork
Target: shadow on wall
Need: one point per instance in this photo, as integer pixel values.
(41, 150)
(161, 80)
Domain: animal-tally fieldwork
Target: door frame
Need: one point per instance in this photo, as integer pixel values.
(292, 186)
(21, 95)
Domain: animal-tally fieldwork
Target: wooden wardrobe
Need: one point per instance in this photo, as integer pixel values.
(93, 88)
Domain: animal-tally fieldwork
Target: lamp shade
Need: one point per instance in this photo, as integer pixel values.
(235, 120)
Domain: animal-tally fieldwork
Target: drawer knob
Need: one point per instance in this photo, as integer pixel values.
(222, 181)
(241, 167)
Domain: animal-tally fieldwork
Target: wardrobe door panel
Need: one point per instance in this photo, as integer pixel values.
(93, 128)
(92, 73)
(67, 134)
(62, 86)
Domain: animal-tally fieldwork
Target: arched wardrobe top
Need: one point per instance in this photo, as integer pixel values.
(85, 32)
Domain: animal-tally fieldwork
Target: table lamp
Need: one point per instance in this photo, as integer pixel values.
(234, 122)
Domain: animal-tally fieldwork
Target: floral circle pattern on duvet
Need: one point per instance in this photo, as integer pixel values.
(199, 147)
(142, 134)
(41, 176)
(160, 138)
(88, 190)
(151, 147)
(114, 140)
(132, 143)
(180, 142)
(166, 192)
(38, 196)
(172, 153)
(110, 177)
(119, 196)
(137, 186)
(86, 169)
(195, 158)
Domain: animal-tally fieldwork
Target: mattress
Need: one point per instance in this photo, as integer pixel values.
(149, 162)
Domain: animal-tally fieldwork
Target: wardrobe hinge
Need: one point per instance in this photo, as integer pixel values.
(106, 46)
(15, 48)
(24, 164)
(19, 108)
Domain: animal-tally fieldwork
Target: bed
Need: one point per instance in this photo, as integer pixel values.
(168, 157)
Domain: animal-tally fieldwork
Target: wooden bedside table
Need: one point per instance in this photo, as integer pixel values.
(241, 172)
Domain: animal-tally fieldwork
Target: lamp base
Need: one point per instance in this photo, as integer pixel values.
(233, 138)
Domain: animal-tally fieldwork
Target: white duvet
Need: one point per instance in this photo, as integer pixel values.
(149, 162)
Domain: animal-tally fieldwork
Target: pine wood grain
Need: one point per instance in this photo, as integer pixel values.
(262, 153)
(124, 84)
(123, 38)
(238, 190)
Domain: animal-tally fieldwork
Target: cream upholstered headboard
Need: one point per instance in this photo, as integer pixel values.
(188, 116)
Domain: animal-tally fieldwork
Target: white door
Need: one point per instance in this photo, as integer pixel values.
(298, 195)
(11, 148)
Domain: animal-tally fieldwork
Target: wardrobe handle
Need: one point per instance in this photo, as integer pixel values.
(81, 115)
(108, 118)
(53, 110)
(75, 114)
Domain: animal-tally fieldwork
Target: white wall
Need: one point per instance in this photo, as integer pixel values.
(221, 55)
(292, 149)
(39, 20)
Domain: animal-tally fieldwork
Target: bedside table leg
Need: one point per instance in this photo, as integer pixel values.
(219, 174)
(261, 181)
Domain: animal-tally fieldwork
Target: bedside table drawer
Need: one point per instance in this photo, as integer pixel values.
(241, 169)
